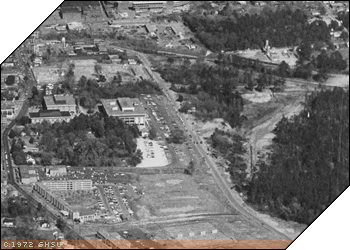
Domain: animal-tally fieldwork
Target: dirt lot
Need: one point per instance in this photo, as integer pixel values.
(175, 194)
(277, 55)
(87, 68)
(338, 80)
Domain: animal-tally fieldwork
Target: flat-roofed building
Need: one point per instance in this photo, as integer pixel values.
(28, 174)
(60, 102)
(51, 116)
(81, 184)
(129, 110)
(113, 239)
(84, 215)
(56, 170)
(8, 109)
(49, 195)
(154, 6)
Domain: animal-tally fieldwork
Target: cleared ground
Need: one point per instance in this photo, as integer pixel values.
(87, 68)
(174, 194)
(48, 75)
(277, 55)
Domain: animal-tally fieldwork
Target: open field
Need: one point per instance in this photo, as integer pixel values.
(87, 68)
(174, 194)
(48, 74)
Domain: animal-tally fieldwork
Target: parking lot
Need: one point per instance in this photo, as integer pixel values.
(115, 200)
(99, 175)
(165, 120)
(154, 154)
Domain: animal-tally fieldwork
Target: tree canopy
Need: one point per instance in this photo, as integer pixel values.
(309, 164)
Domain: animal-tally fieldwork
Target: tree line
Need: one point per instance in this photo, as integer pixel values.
(231, 147)
(283, 28)
(309, 163)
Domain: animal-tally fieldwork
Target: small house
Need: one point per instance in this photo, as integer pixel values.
(9, 222)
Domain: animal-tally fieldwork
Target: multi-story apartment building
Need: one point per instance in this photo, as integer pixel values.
(81, 184)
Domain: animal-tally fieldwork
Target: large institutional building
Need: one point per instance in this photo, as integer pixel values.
(57, 108)
(60, 102)
(51, 116)
(64, 185)
(150, 6)
(129, 110)
(46, 189)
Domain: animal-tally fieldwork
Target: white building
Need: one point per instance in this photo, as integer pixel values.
(129, 110)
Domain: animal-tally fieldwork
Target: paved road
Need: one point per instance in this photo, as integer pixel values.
(235, 201)
(329, 12)
(30, 197)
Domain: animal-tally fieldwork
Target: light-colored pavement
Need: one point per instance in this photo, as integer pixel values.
(159, 158)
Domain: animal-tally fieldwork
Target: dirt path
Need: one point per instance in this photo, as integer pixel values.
(261, 136)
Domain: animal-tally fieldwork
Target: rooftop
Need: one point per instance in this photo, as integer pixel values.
(70, 4)
(49, 113)
(59, 100)
(110, 235)
(27, 171)
(123, 107)
(6, 105)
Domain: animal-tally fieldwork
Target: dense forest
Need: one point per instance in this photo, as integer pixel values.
(283, 28)
(95, 140)
(210, 89)
(309, 164)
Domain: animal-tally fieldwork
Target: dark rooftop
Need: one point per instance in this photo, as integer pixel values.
(49, 113)
(70, 4)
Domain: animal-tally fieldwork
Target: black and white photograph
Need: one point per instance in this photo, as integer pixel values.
(174, 124)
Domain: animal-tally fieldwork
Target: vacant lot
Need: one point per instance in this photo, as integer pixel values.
(175, 194)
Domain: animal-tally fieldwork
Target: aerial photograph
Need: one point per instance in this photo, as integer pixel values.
(175, 124)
